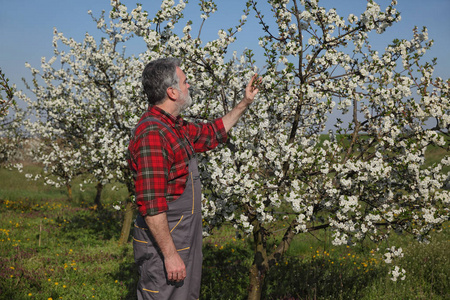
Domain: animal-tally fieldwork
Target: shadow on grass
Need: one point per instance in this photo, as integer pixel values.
(93, 225)
(318, 279)
(226, 270)
(128, 274)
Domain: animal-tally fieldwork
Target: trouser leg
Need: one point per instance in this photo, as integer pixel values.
(150, 266)
(153, 282)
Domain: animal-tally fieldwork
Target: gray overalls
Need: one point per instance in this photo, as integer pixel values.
(184, 216)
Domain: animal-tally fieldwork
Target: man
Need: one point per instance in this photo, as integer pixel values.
(168, 229)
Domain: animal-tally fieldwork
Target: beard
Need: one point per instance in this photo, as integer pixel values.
(185, 100)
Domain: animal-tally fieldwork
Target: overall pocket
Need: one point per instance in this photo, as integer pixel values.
(180, 229)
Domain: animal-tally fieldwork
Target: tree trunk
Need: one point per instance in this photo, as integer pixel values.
(98, 196)
(256, 283)
(69, 191)
(126, 226)
(260, 265)
(262, 261)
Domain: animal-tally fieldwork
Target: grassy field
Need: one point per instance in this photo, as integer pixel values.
(51, 248)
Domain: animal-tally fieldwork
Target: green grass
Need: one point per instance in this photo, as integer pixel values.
(53, 248)
(15, 186)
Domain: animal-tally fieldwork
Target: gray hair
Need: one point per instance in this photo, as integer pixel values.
(158, 76)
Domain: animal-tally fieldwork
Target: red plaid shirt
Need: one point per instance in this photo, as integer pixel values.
(158, 157)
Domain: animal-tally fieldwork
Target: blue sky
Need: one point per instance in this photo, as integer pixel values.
(26, 26)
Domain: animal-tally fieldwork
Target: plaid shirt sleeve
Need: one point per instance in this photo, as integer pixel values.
(207, 136)
(151, 162)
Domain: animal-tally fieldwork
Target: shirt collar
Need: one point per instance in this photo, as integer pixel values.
(156, 111)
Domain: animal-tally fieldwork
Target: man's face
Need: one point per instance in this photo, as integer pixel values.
(185, 99)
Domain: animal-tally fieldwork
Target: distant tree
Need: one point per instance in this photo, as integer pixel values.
(11, 116)
(84, 102)
(7, 100)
